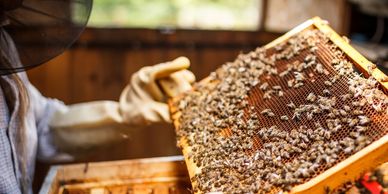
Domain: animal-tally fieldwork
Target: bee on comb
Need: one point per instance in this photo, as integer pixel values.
(283, 135)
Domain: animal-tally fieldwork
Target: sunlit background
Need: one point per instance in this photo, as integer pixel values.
(188, 14)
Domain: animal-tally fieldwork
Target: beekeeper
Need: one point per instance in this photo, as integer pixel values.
(33, 127)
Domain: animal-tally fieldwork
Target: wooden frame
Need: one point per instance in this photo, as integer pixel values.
(348, 169)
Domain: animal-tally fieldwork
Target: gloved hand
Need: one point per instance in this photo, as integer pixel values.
(142, 102)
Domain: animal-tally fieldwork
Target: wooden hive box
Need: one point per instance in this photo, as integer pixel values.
(140, 176)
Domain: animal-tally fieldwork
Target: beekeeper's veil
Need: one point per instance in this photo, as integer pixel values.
(35, 31)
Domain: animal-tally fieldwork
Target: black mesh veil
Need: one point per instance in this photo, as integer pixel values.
(38, 30)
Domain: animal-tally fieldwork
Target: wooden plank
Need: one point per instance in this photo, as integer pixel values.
(148, 37)
(53, 79)
(50, 184)
(93, 71)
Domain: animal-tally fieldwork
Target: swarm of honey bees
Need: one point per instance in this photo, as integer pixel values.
(275, 118)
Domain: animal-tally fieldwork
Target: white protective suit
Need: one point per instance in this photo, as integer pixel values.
(142, 102)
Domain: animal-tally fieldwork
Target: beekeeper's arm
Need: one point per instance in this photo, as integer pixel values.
(86, 125)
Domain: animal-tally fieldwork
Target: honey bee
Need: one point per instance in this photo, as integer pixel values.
(363, 120)
(278, 48)
(327, 83)
(277, 87)
(310, 57)
(303, 145)
(284, 118)
(352, 122)
(335, 61)
(291, 105)
(300, 66)
(336, 112)
(358, 112)
(267, 94)
(241, 69)
(361, 129)
(264, 86)
(319, 68)
(284, 73)
(349, 150)
(354, 134)
(326, 92)
(343, 112)
(347, 108)
(290, 83)
(253, 83)
(378, 107)
(334, 79)
(313, 49)
(268, 112)
(371, 68)
(296, 116)
(335, 128)
(273, 71)
(311, 97)
(309, 116)
(299, 76)
(327, 135)
(297, 85)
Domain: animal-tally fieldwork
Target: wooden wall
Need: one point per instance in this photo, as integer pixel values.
(102, 61)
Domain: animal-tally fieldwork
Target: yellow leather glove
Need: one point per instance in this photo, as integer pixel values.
(142, 102)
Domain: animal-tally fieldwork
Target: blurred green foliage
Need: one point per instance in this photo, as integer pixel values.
(188, 14)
